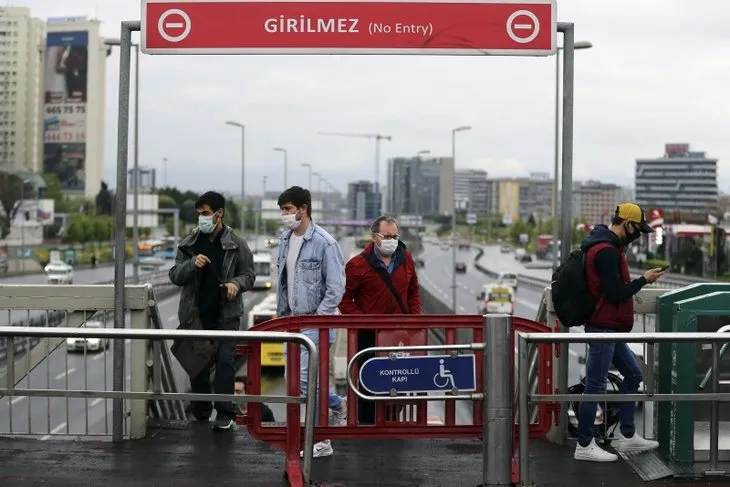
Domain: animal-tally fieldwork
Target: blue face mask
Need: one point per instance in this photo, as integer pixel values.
(206, 224)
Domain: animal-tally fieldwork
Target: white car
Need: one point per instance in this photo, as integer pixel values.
(150, 263)
(497, 298)
(74, 344)
(59, 272)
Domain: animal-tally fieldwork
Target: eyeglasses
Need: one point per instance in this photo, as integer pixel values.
(388, 237)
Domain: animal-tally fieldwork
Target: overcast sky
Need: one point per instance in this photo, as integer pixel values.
(659, 72)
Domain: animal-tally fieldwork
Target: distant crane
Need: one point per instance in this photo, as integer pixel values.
(378, 138)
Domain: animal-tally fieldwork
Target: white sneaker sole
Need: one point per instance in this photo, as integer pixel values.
(634, 449)
(589, 458)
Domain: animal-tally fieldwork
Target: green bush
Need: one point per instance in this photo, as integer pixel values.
(654, 263)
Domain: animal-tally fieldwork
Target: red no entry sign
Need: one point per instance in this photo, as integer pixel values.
(506, 27)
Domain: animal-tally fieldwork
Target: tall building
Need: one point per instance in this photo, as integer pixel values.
(471, 190)
(681, 180)
(21, 50)
(536, 196)
(596, 201)
(414, 185)
(362, 202)
(73, 104)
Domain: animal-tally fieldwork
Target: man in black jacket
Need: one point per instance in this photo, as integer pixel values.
(214, 266)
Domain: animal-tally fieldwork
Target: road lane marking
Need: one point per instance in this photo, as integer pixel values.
(98, 356)
(18, 399)
(54, 431)
(96, 401)
(65, 373)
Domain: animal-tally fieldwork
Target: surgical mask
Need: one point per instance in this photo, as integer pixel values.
(631, 237)
(387, 247)
(206, 224)
(290, 221)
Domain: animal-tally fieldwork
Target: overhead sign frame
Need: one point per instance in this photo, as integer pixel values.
(347, 27)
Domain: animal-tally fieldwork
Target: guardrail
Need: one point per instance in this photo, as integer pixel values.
(160, 283)
(154, 392)
(669, 281)
(715, 397)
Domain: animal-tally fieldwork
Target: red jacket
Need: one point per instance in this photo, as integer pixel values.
(614, 316)
(367, 293)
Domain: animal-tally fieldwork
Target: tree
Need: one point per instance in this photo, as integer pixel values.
(104, 200)
(188, 214)
(53, 187)
(166, 202)
(11, 189)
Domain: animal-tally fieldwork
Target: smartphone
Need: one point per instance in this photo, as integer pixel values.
(665, 268)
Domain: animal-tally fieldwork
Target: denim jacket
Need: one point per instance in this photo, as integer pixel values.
(320, 276)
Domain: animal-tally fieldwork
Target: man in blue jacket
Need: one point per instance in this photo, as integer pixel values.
(311, 282)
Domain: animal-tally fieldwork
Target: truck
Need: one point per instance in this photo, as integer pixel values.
(541, 246)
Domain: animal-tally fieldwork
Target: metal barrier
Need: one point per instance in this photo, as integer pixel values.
(298, 471)
(405, 417)
(651, 339)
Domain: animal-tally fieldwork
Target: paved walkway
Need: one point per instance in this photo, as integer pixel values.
(196, 456)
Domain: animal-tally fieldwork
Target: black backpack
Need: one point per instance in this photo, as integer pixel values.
(572, 301)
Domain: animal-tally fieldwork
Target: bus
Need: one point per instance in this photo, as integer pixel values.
(272, 353)
(263, 270)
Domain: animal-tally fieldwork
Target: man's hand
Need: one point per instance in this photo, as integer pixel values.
(201, 261)
(653, 274)
(232, 290)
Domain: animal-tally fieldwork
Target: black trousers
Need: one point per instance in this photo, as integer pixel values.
(223, 377)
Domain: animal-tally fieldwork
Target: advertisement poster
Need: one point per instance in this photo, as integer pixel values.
(34, 213)
(64, 108)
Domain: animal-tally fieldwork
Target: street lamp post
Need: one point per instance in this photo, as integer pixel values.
(309, 166)
(286, 163)
(556, 169)
(243, 171)
(453, 214)
(135, 180)
(164, 171)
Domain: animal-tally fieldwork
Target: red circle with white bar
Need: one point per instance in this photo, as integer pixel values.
(174, 25)
(523, 26)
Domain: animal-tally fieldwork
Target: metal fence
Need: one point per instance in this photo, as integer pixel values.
(525, 397)
(140, 389)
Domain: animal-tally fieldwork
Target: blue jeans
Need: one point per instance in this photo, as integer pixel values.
(600, 357)
(335, 401)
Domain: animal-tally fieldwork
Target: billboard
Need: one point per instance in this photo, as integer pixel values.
(64, 108)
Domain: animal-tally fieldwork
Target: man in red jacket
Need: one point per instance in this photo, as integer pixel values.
(380, 280)
(610, 284)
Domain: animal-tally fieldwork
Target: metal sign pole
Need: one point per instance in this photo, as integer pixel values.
(567, 28)
(498, 422)
(120, 253)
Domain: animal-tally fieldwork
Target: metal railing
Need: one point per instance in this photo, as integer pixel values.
(48, 317)
(154, 391)
(525, 397)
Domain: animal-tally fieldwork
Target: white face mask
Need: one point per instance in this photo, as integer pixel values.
(290, 221)
(387, 247)
(205, 223)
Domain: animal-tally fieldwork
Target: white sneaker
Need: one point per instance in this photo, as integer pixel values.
(321, 449)
(636, 443)
(339, 416)
(593, 453)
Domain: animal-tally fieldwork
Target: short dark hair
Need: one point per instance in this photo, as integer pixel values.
(375, 227)
(240, 378)
(297, 196)
(216, 201)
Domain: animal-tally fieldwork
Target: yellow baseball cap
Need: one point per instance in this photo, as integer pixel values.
(633, 213)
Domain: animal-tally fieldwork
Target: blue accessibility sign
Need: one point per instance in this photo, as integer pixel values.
(427, 373)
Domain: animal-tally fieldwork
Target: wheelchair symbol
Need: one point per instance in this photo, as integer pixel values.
(443, 377)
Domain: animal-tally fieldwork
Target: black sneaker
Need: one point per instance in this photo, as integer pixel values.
(223, 424)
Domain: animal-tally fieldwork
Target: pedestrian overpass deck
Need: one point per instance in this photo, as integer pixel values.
(193, 455)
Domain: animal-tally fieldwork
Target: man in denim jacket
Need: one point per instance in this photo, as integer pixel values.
(311, 282)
